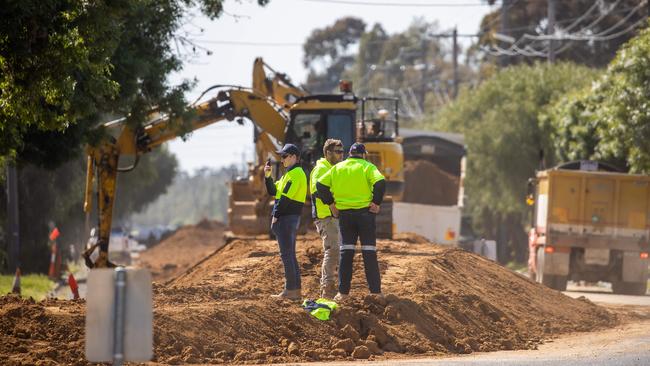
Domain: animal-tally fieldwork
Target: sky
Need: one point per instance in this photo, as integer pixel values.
(276, 32)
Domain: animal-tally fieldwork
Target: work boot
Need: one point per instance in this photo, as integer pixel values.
(341, 297)
(288, 294)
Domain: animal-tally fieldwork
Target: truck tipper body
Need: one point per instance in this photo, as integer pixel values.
(591, 225)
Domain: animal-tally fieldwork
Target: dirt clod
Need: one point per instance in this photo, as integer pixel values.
(361, 352)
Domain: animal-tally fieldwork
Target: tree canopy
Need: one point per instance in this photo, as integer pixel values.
(504, 134)
(66, 65)
(610, 119)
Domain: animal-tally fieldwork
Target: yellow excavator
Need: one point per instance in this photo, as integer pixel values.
(312, 120)
(282, 113)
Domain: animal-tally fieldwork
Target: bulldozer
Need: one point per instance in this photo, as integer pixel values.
(281, 113)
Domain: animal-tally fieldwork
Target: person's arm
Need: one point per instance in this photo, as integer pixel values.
(378, 190)
(323, 189)
(324, 193)
(270, 186)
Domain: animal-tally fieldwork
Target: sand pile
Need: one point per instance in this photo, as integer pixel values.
(183, 249)
(427, 184)
(439, 301)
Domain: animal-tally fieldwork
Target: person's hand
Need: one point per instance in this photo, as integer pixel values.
(274, 220)
(334, 210)
(374, 208)
(267, 170)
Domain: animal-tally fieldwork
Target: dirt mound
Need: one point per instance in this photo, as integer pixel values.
(43, 333)
(183, 249)
(439, 301)
(427, 184)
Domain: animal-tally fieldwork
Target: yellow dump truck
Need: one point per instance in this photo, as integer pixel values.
(590, 223)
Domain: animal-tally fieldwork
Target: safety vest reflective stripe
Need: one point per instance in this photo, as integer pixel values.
(369, 248)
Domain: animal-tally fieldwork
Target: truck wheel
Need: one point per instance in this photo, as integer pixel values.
(629, 288)
(555, 282)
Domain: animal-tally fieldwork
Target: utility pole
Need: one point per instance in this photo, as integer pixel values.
(505, 6)
(12, 218)
(455, 62)
(425, 69)
(551, 31)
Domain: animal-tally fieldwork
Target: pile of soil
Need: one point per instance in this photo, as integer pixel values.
(184, 248)
(438, 301)
(427, 184)
(46, 333)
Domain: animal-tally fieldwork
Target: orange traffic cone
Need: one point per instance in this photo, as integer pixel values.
(15, 288)
(52, 271)
(73, 287)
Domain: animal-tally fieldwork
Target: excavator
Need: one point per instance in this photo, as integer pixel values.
(312, 120)
(281, 113)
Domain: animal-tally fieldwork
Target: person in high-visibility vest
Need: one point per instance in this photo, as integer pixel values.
(290, 193)
(356, 187)
(326, 224)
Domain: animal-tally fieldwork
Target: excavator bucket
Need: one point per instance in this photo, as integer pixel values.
(248, 214)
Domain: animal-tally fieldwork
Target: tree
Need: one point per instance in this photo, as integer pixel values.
(503, 133)
(588, 16)
(57, 195)
(327, 53)
(415, 65)
(610, 120)
(66, 65)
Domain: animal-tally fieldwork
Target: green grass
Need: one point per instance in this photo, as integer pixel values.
(33, 285)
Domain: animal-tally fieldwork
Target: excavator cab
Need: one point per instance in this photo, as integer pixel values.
(309, 129)
(379, 119)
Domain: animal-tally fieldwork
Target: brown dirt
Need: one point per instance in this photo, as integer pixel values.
(183, 249)
(427, 184)
(439, 301)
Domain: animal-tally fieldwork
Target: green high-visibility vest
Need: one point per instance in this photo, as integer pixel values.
(298, 188)
(322, 166)
(351, 182)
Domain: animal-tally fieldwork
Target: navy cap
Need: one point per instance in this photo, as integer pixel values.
(357, 148)
(289, 149)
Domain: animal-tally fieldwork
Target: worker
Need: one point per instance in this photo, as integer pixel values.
(290, 193)
(356, 187)
(326, 224)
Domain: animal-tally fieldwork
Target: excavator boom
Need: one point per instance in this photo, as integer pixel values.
(103, 159)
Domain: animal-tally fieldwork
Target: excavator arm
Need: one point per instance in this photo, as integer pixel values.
(103, 159)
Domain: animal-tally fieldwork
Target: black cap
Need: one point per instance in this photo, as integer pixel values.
(289, 149)
(358, 148)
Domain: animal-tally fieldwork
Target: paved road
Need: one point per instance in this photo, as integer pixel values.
(603, 294)
(627, 345)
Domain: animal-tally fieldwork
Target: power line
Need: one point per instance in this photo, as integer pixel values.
(582, 35)
(393, 4)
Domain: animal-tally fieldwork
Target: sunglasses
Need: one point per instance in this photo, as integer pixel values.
(337, 151)
(284, 156)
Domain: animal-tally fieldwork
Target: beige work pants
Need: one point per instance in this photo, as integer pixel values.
(328, 229)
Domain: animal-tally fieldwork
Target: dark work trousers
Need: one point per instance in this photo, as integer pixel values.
(285, 231)
(358, 224)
